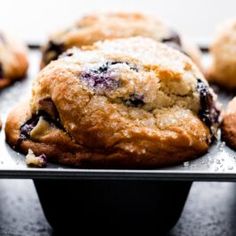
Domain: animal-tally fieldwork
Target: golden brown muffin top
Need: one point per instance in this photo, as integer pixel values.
(126, 89)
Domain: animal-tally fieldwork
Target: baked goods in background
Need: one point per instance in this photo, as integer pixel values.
(13, 60)
(102, 26)
(223, 67)
(228, 126)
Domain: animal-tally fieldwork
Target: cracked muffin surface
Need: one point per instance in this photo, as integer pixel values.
(13, 60)
(102, 26)
(120, 103)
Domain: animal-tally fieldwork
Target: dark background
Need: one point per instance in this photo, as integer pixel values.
(209, 211)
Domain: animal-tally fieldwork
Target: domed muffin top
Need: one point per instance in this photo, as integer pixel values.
(115, 85)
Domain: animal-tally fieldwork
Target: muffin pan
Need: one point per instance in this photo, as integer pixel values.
(218, 164)
(112, 201)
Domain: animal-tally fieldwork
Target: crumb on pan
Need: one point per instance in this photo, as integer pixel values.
(35, 161)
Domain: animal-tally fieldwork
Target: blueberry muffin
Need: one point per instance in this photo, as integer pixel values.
(229, 124)
(13, 60)
(99, 27)
(223, 67)
(121, 103)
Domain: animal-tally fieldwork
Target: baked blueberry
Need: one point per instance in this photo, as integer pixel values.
(209, 113)
(104, 77)
(99, 80)
(27, 127)
(1, 71)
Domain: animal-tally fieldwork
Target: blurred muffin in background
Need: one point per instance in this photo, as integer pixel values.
(223, 50)
(228, 126)
(13, 60)
(99, 27)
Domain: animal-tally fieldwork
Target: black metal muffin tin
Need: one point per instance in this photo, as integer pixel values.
(108, 200)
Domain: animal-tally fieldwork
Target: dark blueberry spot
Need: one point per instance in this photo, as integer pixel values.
(172, 38)
(44, 158)
(102, 78)
(27, 127)
(1, 71)
(103, 68)
(52, 51)
(208, 111)
(100, 81)
(135, 100)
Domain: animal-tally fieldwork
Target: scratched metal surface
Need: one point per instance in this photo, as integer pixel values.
(218, 164)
